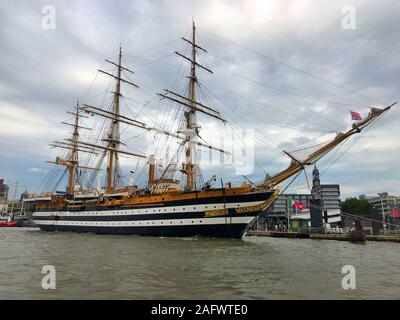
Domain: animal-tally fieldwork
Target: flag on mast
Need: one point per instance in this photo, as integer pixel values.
(298, 205)
(395, 213)
(355, 116)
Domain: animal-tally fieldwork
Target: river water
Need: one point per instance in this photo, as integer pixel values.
(90, 266)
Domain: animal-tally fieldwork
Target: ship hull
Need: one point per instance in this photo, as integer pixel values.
(235, 231)
(211, 218)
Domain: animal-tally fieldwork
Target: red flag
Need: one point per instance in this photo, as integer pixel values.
(298, 205)
(355, 115)
(395, 213)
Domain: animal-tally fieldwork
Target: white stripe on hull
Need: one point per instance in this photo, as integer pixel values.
(152, 210)
(151, 223)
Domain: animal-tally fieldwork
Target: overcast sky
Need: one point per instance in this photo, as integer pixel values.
(290, 70)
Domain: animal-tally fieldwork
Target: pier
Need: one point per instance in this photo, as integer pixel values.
(320, 236)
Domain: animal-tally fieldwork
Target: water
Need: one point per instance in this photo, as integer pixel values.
(90, 266)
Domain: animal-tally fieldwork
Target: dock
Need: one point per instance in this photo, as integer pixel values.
(278, 234)
(320, 236)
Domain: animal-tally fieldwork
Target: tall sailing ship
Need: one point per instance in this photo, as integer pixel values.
(163, 206)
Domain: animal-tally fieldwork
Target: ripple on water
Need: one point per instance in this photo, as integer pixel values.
(93, 266)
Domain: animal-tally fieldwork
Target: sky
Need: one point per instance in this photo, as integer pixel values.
(288, 70)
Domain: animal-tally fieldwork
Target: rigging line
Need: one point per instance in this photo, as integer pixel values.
(290, 81)
(91, 177)
(326, 161)
(288, 185)
(273, 108)
(82, 98)
(54, 188)
(176, 110)
(355, 141)
(132, 53)
(286, 91)
(134, 137)
(340, 156)
(155, 60)
(179, 74)
(271, 121)
(289, 66)
(255, 162)
(99, 128)
(309, 146)
(347, 145)
(273, 146)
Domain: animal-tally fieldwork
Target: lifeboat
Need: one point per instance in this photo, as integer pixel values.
(7, 224)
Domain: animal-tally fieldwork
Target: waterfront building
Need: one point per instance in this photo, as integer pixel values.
(328, 193)
(384, 203)
(284, 208)
(3, 190)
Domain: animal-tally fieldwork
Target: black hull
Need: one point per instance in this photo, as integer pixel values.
(221, 217)
(235, 231)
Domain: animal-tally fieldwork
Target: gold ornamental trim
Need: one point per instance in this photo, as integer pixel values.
(247, 209)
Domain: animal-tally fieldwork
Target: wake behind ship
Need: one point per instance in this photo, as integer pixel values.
(163, 206)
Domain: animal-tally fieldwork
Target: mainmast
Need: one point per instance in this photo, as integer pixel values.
(73, 167)
(114, 136)
(191, 116)
(191, 129)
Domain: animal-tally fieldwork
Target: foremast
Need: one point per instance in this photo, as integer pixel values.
(72, 163)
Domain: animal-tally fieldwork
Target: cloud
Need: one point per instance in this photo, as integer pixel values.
(37, 170)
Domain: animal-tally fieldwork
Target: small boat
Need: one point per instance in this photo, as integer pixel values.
(7, 224)
(357, 233)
